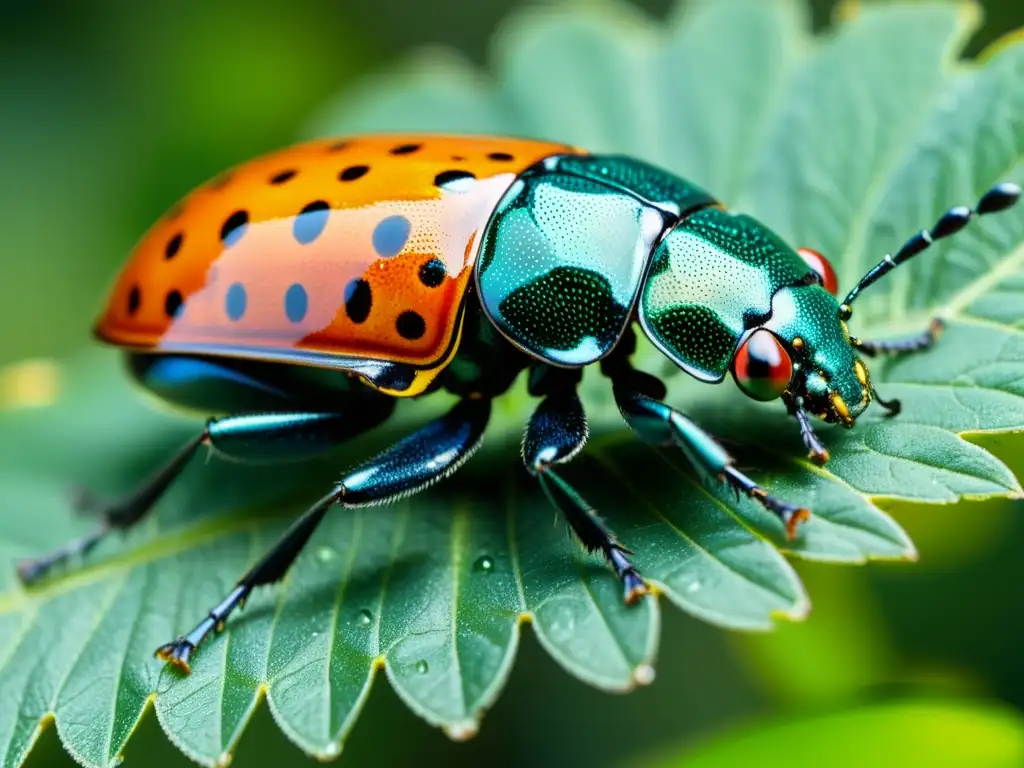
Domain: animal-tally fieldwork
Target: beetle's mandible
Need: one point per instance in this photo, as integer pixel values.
(301, 293)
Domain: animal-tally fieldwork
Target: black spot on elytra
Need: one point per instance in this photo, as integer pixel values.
(338, 146)
(432, 273)
(452, 179)
(410, 325)
(358, 300)
(502, 157)
(405, 149)
(173, 246)
(283, 176)
(234, 227)
(173, 303)
(353, 172)
(134, 300)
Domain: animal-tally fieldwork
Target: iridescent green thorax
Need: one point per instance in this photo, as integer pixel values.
(580, 243)
(711, 281)
(827, 358)
(565, 253)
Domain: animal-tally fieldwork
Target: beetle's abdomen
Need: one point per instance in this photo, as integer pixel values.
(353, 254)
(563, 258)
(712, 279)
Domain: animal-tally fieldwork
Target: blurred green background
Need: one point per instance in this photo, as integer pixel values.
(112, 109)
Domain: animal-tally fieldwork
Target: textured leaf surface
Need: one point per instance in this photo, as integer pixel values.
(846, 144)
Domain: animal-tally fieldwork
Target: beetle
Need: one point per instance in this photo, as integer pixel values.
(302, 293)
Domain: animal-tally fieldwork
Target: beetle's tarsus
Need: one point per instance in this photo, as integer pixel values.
(816, 450)
(893, 406)
(32, 571)
(633, 587)
(790, 515)
(799, 515)
(178, 654)
(819, 456)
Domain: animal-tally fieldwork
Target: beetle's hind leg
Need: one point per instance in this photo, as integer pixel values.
(639, 395)
(119, 515)
(246, 437)
(555, 435)
(413, 463)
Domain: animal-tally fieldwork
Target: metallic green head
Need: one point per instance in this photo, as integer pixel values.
(829, 379)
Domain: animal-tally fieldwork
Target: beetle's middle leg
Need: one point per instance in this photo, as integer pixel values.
(555, 435)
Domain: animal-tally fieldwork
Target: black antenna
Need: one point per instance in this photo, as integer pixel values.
(999, 198)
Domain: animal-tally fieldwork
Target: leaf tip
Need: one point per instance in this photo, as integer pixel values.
(329, 753)
(800, 609)
(461, 730)
(644, 674)
(1000, 44)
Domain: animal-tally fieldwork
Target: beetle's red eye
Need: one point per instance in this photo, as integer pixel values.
(820, 264)
(762, 367)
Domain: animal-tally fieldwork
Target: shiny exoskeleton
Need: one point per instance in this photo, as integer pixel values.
(301, 293)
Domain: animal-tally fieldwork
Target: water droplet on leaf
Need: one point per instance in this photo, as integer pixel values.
(693, 587)
(365, 617)
(325, 554)
(422, 667)
(484, 564)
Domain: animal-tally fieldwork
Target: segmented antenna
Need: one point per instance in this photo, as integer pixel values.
(999, 198)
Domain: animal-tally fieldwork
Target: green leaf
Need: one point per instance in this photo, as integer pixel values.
(899, 733)
(847, 144)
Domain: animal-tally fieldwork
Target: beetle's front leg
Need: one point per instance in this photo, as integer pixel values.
(905, 346)
(816, 450)
(661, 424)
(556, 433)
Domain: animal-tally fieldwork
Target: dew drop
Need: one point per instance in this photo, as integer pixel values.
(693, 588)
(365, 617)
(325, 554)
(422, 667)
(484, 564)
(224, 760)
(118, 759)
